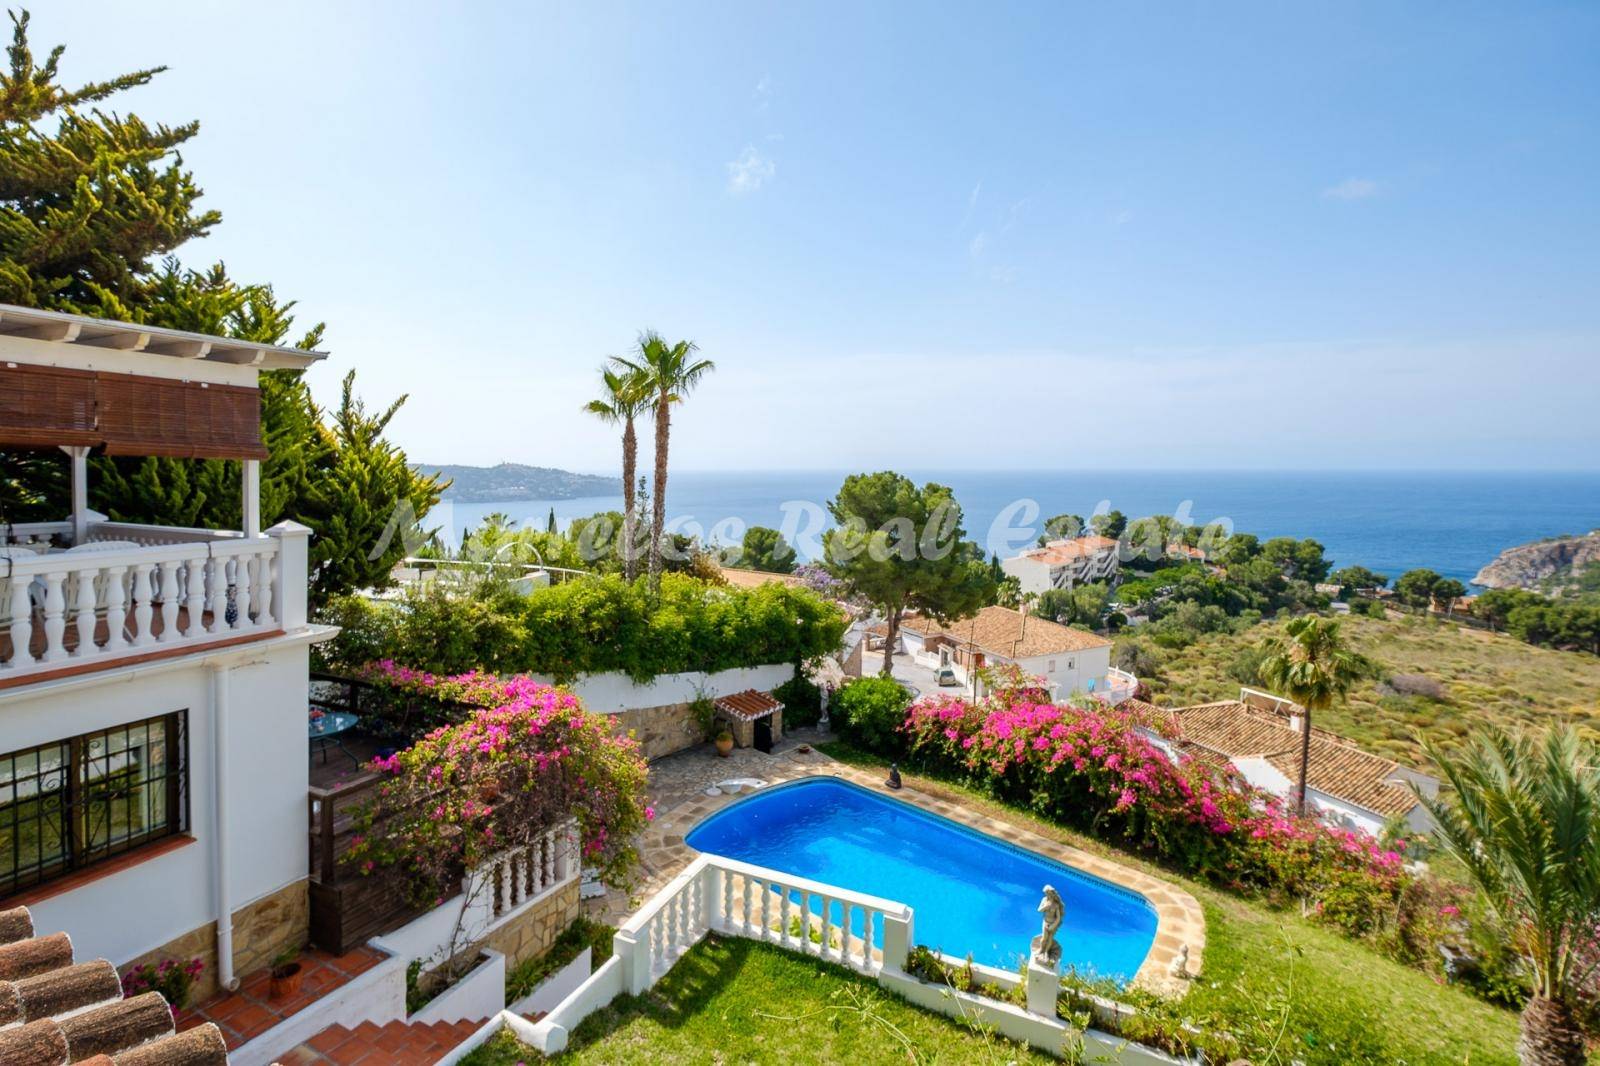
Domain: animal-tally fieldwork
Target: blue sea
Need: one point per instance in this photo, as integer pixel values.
(1451, 522)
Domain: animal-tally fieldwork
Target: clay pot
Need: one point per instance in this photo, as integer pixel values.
(724, 746)
(284, 981)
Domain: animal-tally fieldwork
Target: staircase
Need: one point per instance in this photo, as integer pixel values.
(393, 1044)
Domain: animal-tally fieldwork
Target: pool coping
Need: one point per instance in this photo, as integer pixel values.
(1179, 919)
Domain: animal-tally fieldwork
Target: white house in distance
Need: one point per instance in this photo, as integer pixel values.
(1069, 660)
(1064, 564)
(1259, 735)
(153, 707)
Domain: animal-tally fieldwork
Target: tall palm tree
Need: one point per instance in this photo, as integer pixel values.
(1525, 822)
(625, 395)
(1313, 666)
(672, 373)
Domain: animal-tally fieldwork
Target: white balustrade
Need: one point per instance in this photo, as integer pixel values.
(106, 598)
(738, 899)
(519, 874)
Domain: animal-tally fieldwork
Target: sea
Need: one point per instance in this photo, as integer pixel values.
(1390, 521)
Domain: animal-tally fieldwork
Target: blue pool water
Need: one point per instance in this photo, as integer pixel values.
(969, 892)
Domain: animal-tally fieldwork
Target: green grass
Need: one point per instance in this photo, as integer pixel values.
(736, 1001)
(1488, 679)
(1268, 971)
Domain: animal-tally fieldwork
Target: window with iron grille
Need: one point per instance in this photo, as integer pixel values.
(76, 802)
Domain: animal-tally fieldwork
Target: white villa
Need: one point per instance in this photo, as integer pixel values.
(1064, 564)
(1069, 660)
(155, 783)
(1259, 735)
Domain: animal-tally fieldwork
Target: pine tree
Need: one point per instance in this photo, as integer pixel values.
(90, 212)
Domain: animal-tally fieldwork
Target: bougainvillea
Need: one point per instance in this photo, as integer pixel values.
(1091, 766)
(527, 759)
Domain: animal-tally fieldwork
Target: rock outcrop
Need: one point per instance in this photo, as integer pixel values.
(1543, 566)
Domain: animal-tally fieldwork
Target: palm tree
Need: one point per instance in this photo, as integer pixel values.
(1313, 667)
(672, 373)
(626, 395)
(1525, 822)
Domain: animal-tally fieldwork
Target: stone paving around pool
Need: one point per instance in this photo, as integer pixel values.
(678, 784)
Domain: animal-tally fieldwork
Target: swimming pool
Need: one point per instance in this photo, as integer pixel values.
(970, 892)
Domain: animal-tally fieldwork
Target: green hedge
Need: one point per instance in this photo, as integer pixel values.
(589, 626)
(869, 712)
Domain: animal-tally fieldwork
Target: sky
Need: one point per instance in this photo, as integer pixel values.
(979, 236)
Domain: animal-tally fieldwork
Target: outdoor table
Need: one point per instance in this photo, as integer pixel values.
(326, 728)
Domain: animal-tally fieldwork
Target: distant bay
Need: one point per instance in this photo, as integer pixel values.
(1391, 521)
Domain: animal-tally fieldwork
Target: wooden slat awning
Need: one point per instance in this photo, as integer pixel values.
(46, 406)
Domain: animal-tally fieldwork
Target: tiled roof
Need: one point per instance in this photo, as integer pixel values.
(1000, 631)
(749, 579)
(54, 1011)
(748, 704)
(1336, 767)
(1062, 552)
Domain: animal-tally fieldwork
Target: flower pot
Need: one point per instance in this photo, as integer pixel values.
(724, 746)
(284, 981)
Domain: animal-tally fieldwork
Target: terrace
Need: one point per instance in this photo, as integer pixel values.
(84, 593)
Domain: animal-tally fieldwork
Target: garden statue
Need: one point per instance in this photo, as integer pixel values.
(1046, 952)
(1180, 965)
(894, 776)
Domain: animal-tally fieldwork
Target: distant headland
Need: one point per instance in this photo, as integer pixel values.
(514, 481)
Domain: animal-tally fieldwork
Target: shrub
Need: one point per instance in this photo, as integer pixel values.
(869, 712)
(529, 758)
(1091, 768)
(1412, 685)
(801, 699)
(593, 625)
(174, 980)
(584, 932)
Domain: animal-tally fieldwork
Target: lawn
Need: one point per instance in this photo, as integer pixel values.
(736, 1001)
(1298, 991)
(1486, 679)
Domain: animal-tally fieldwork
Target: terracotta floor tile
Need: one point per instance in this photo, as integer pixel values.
(329, 1038)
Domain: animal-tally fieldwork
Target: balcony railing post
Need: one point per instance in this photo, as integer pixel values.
(288, 597)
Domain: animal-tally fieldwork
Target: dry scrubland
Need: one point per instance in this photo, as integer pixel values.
(1485, 679)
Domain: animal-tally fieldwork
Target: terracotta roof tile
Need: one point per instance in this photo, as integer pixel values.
(1000, 631)
(1336, 767)
(748, 705)
(1063, 552)
(74, 1012)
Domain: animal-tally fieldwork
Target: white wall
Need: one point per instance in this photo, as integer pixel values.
(131, 911)
(612, 692)
(1031, 575)
(1073, 670)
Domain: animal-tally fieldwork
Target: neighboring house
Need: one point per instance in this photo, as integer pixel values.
(153, 703)
(1069, 660)
(1064, 564)
(1259, 735)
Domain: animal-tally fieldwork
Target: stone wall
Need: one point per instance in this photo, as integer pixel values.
(530, 935)
(260, 931)
(744, 730)
(660, 730)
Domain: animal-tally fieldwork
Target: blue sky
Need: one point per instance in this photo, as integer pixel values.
(978, 236)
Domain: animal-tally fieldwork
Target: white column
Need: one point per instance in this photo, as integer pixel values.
(292, 573)
(1044, 982)
(80, 491)
(250, 485)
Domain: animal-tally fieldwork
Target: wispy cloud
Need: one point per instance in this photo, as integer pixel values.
(750, 171)
(763, 92)
(1351, 189)
(972, 201)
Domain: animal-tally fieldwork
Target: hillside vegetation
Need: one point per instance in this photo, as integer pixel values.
(1440, 679)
